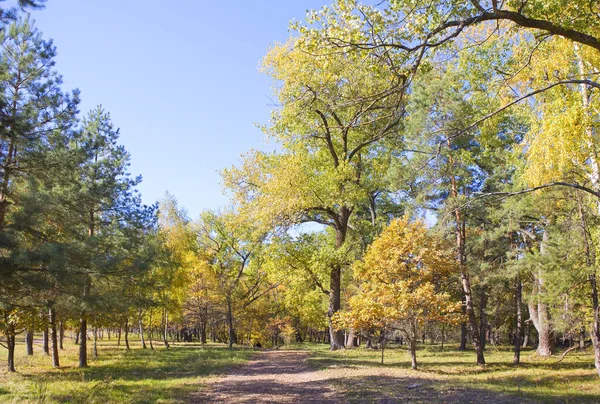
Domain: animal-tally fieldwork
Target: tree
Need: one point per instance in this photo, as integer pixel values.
(110, 219)
(35, 117)
(339, 111)
(402, 277)
(230, 249)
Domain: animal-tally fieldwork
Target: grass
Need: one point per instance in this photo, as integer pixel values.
(117, 376)
(455, 376)
(169, 376)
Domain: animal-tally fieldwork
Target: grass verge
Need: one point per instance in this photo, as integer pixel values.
(453, 376)
(117, 376)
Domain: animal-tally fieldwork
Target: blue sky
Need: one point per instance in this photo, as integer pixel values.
(179, 78)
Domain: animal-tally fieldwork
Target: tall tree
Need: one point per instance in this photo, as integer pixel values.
(35, 117)
(338, 111)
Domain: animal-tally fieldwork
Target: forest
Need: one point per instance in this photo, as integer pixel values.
(434, 191)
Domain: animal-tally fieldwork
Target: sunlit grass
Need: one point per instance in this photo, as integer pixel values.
(117, 376)
(168, 376)
(573, 380)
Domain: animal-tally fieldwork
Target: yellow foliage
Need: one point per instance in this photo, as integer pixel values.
(401, 276)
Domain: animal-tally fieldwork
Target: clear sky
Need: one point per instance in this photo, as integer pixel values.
(180, 79)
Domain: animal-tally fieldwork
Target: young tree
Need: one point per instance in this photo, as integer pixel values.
(402, 277)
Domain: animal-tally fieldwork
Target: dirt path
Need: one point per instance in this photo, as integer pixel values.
(285, 377)
(271, 377)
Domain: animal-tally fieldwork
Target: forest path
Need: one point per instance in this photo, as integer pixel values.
(271, 377)
(284, 376)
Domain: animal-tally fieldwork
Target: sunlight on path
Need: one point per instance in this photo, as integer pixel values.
(274, 376)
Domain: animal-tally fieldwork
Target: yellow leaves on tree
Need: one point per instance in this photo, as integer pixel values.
(561, 144)
(402, 275)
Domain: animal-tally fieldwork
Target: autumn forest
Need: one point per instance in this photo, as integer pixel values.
(430, 217)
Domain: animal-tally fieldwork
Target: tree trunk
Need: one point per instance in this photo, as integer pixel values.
(150, 336)
(596, 322)
(336, 337)
(10, 343)
(61, 335)
(383, 341)
(203, 333)
(230, 322)
(412, 347)
(95, 341)
(519, 325)
(582, 339)
(351, 339)
(473, 328)
(464, 274)
(45, 341)
(127, 334)
(463, 330)
(141, 329)
(83, 342)
(54, 337)
(29, 342)
(538, 310)
(165, 330)
(526, 334)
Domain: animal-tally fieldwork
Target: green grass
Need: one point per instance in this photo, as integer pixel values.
(117, 376)
(455, 374)
(168, 376)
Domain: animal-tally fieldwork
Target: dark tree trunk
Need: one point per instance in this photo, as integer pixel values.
(336, 337)
(141, 329)
(203, 333)
(127, 333)
(464, 271)
(471, 315)
(45, 341)
(10, 343)
(526, 334)
(463, 331)
(29, 342)
(519, 324)
(54, 337)
(230, 323)
(166, 322)
(596, 322)
(83, 342)
(150, 330)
